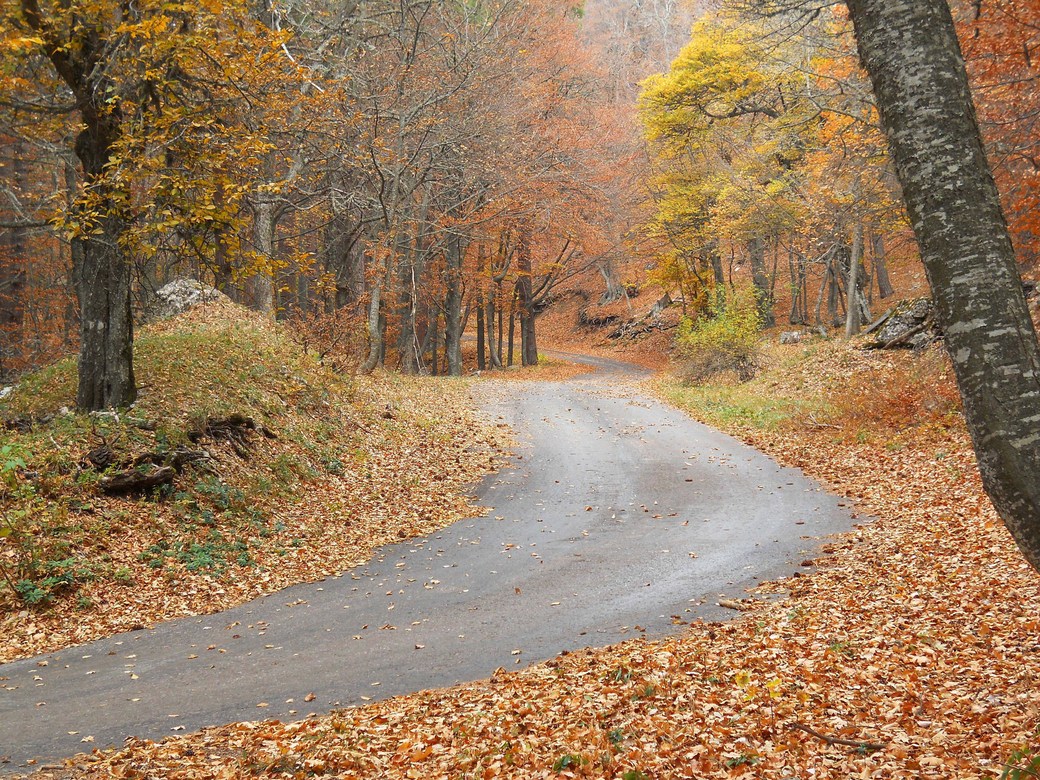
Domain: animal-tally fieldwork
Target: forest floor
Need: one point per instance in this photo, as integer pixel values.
(334, 468)
(911, 650)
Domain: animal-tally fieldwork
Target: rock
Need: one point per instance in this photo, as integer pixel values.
(909, 324)
(791, 337)
(6, 391)
(640, 326)
(180, 295)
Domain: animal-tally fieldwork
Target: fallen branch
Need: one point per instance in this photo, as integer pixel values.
(871, 746)
(146, 471)
(817, 424)
(135, 480)
(740, 606)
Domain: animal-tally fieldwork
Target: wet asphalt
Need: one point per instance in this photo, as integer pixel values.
(619, 517)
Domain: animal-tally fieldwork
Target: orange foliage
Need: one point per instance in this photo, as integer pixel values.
(1001, 42)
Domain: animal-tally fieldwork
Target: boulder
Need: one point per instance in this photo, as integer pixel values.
(791, 336)
(180, 295)
(910, 324)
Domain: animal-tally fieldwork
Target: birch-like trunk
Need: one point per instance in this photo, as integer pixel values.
(854, 310)
(910, 50)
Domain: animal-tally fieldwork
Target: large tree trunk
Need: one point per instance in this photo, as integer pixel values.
(106, 353)
(910, 49)
(261, 283)
(106, 368)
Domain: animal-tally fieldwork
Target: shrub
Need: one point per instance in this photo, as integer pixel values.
(723, 339)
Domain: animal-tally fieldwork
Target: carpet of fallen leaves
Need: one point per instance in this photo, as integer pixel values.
(406, 454)
(910, 649)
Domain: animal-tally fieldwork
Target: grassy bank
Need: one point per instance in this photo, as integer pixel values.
(283, 472)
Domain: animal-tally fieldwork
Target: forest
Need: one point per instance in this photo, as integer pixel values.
(393, 173)
(526, 343)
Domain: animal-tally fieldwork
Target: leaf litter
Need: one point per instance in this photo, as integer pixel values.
(910, 649)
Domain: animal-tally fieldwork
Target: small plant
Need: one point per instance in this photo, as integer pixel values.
(744, 759)
(620, 675)
(723, 339)
(648, 691)
(1024, 763)
(568, 760)
(634, 774)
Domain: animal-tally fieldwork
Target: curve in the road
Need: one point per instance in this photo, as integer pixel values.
(619, 515)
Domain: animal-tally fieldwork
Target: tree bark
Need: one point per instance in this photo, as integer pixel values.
(854, 310)
(481, 362)
(884, 283)
(106, 369)
(375, 330)
(528, 338)
(453, 307)
(760, 281)
(910, 50)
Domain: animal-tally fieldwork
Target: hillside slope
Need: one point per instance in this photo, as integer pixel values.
(285, 472)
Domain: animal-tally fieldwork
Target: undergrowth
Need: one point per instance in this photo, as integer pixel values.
(836, 387)
(320, 468)
(55, 525)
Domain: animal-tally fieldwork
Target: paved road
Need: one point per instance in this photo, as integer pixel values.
(618, 514)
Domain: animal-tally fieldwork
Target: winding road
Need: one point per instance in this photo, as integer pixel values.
(619, 516)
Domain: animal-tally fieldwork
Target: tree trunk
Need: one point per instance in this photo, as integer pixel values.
(106, 372)
(481, 362)
(501, 329)
(525, 300)
(406, 312)
(106, 369)
(375, 330)
(910, 50)
(615, 290)
(760, 280)
(261, 283)
(834, 273)
(489, 318)
(453, 307)
(512, 328)
(877, 248)
(854, 310)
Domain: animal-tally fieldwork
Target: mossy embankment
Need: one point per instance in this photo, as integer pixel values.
(282, 472)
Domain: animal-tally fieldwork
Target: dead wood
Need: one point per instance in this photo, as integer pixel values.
(136, 480)
(872, 746)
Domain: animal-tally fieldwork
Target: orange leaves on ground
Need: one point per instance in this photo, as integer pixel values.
(910, 651)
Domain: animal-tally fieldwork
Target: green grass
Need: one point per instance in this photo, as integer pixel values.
(53, 523)
(748, 404)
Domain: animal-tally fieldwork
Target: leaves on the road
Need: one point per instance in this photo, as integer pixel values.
(339, 480)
